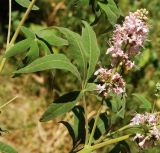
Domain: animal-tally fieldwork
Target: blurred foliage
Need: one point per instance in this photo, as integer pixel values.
(70, 13)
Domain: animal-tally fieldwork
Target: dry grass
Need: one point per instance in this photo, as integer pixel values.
(21, 117)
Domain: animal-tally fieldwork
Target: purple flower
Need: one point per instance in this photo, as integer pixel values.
(129, 65)
(138, 119)
(151, 132)
(128, 38)
(151, 118)
(109, 82)
(155, 132)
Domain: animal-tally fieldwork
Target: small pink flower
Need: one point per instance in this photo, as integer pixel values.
(151, 118)
(101, 88)
(133, 50)
(118, 90)
(99, 71)
(155, 132)
(129, 65)
(138, 119)
(143, 143)
(138, 136)
(109, 82)
(128, 38)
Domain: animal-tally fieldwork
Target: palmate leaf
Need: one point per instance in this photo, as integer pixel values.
(76, 48)
(61, 106)
(52, 61)
(111, 10)
(4, 148)
(91, 47)
(33, 44)
(25, 3)
(47, 35)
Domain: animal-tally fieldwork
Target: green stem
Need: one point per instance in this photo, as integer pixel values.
(86, 119)
(22, 21)
(119, 130)
(89, 149)
(86, 149)
(104, 137)
(100, 139)
(9, 33)
(17, 32)
(108, 142)
(9, 23)
(94, 126)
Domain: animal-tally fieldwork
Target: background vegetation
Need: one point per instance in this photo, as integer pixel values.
(36, 91)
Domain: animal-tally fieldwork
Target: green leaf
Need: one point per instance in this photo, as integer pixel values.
(33, 52)
(4, 148)
(90, 87)
(118, 106)
(61, 106)
(19, 47)
(44, 47)
(116, 103)
(85, 2)
(121, 147)
(112, 5)
(121, 112)
(79, 124)
(52, 61)
(90, 44)
(70, 131)
(145, 103)
(49, 36)
(25, 3)
(103, 122)
(76, 47)
(102, 125)
(111, 11)
(144, 58)
(27, 33)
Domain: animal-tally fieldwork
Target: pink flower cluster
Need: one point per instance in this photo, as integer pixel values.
(125, 44)
(149, 137)
(140, 119)
(109, 82)
(128, 38)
